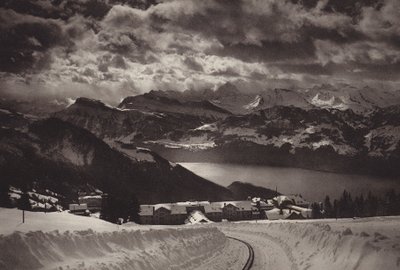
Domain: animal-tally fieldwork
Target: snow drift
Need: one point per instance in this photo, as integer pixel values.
(346, 244)
(125, 249)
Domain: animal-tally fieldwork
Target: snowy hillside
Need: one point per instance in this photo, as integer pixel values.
(65, 158)
(367, 244)
(65, 241)
(321, 139)
(255, 104)
(343, 97)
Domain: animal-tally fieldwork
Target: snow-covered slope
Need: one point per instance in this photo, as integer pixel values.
(317, 138)
(98, 244)
(367, 244)
(255, 104)
(343, 97)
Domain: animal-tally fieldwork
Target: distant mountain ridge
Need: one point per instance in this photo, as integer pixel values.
(157, 102)
(229, 98)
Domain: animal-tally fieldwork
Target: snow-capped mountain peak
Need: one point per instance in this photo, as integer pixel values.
(256, 103)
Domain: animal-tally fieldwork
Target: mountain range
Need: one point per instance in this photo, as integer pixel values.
(133, 148)
(230, 98)
(280, 128)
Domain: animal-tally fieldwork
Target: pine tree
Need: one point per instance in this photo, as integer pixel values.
(392, 206)
(371, 205)
(120, 206)
(5, 200)
(359, 205)
(316, 210)
(328, 208)
(336, 209)
(346, 205)
(23, 202)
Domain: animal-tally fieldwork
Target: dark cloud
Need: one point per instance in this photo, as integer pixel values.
(59, 9)
(84, 45)
(24, 42)
(191, 63)
(268, 51)
(312, 68)
(227, 72)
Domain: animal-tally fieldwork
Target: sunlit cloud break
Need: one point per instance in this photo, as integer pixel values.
(112, 49)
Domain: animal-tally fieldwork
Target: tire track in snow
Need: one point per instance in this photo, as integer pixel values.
(250, 259)
(261, 236)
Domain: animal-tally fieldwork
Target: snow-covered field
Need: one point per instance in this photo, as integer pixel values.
(64, 241)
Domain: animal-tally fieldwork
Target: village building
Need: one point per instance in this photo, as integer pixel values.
(79, 209)
(236, 210)
(288, 207)
(146, 214)
(178, 214)
(280, 207)
(213, 212)
(93, 202)
(162, 214)
(299, 200)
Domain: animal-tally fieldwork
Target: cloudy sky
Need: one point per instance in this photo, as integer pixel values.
(109, 49)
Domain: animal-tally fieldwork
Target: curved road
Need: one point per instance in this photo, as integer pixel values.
(250, 259)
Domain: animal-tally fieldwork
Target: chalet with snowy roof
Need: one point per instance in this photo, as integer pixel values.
(237, 210)
(178, 214)
(299, 200)
(288, 207)
(161, 214)
(94, 202)
(213, 212)
(146, 214)
(79, 209)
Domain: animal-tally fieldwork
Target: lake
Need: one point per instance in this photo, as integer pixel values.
(313, 185)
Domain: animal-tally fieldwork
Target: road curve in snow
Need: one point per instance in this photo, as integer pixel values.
(250, 259)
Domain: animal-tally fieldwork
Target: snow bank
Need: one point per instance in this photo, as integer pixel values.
(102, 248)
(346, 244)
(11, 221)
(152, 249)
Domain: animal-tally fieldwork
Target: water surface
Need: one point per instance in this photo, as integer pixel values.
(313, 185)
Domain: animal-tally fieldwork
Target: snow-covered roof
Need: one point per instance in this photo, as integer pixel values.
(178, 210)
(193, 203)
(77, 207)
(196, 217)
(305, 212)
(241, 205)
(282, 199)
(266, 204)
(213, 208)
(90, 197)
(275, 213)
(146, 210)
(298, 200)
(162, 205)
